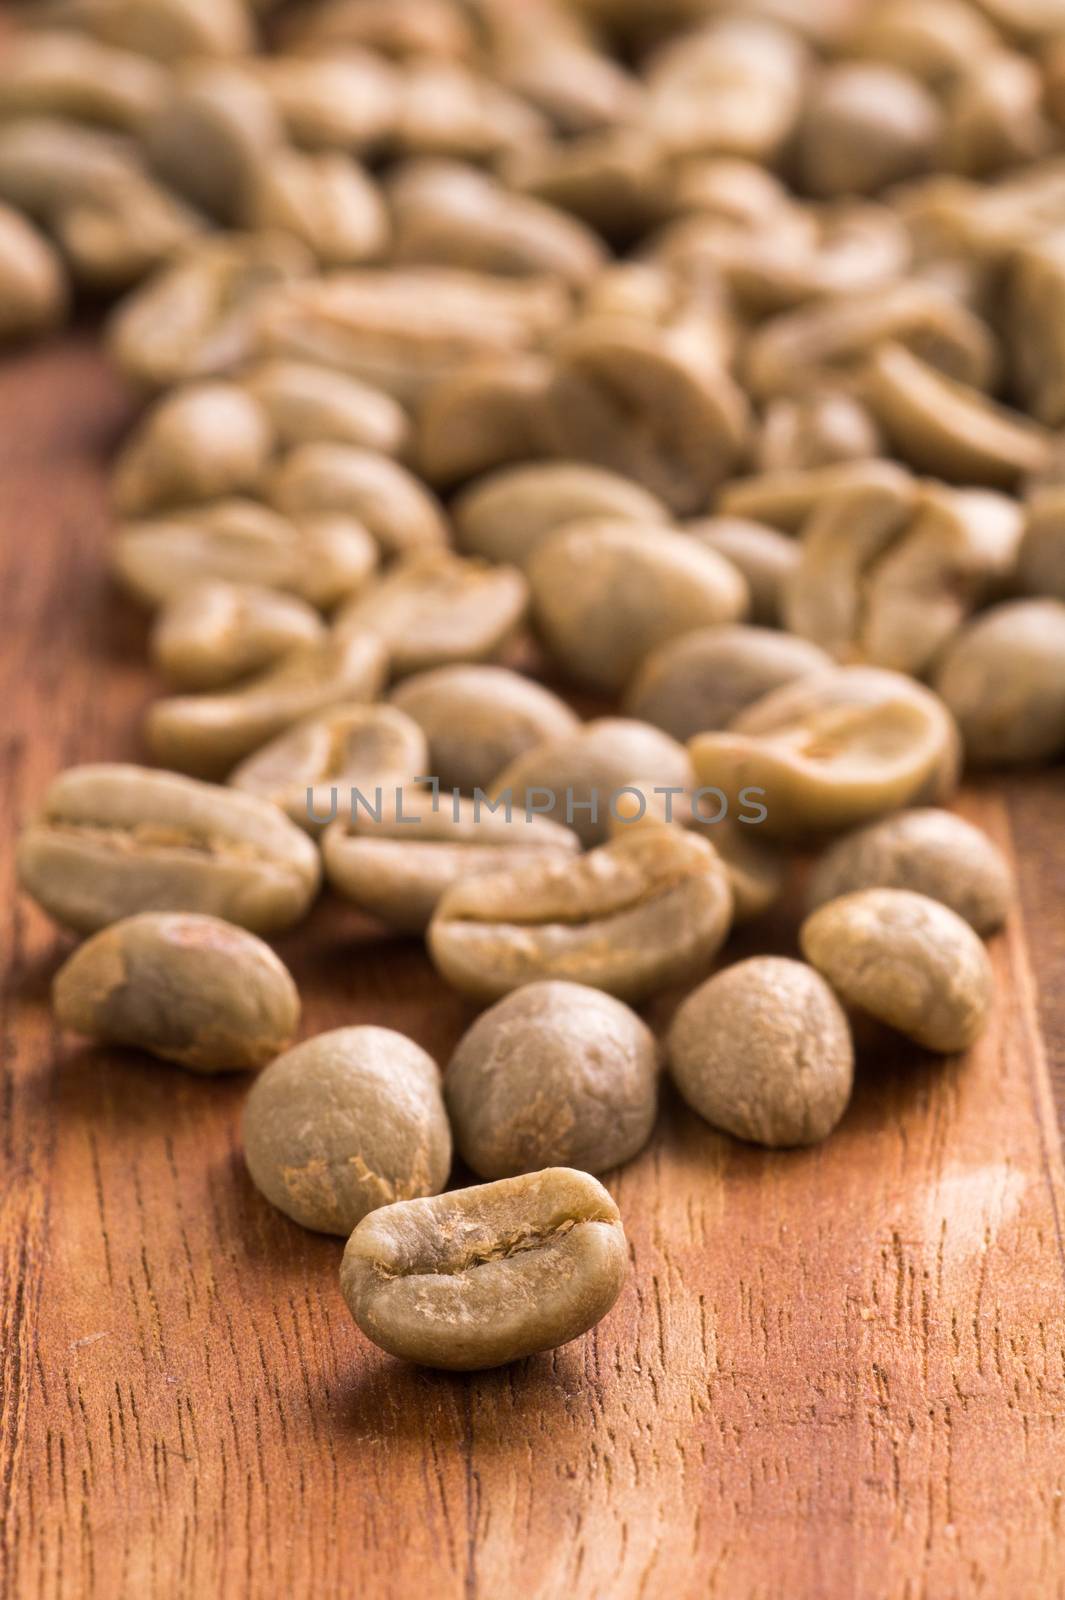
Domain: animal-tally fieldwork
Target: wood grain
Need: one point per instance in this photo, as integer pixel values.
(832, 1373)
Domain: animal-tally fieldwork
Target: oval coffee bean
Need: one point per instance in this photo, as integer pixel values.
(173, 30)
(707, 677)
(450, 215)
(478, 719)
(650, 909)
(211, 134)
(735, 85)
(311, 769)
(323, 558)
(848, 530)
(482, 417)
(111, 841)
(483, 1276)
(48, 163)
(934, 43)
(577, 778)
(940, 425)
(326, 200)
(929, 851)
(1041, 558)
(33, 293)
(755, 869)
(452, 111)
(208, 734)
(765, 557)
(1003, 677)
(604, 594)
(201, 442)
(214, 633)
(346, 1122)
(907, 960)
(778, 256)
(434, 608)
(646, 402)
(831, 341)
(341, 102)
(556, 1074)
(308, 403)
(89, 187)
(784, 500)
(403, 330)
(396, 860)
(764, 1051)
(888, 575)
(506, 515)
(191, 989)
(995, 116)
(833, 750)
(867, 125)
(376, 491)
(111, 238)
(199, 315)
(68, 74)
(561, 72)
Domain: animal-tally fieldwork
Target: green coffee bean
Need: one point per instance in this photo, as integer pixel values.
(346, 1122)
(191, 989)
(483, 1276)
(111, 841)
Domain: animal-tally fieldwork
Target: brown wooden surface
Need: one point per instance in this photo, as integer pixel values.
(832, 1373)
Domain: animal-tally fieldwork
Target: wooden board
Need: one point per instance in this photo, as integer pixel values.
(832, 1373)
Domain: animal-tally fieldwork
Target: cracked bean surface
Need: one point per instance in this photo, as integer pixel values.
(112, 840)
(312, 769)
(650, 909)
(213, 633)
(480, 1277)
(435, 609)
(207, 734)
(835, 749)
(396, 861)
